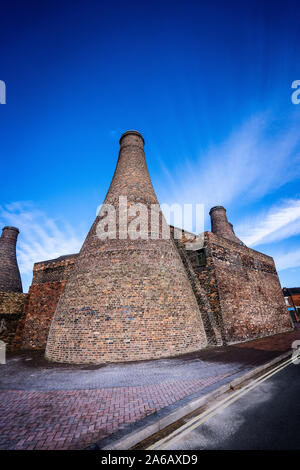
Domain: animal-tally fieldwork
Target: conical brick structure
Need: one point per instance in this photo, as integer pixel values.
(10, 279)
(126, 299)
(221, 226)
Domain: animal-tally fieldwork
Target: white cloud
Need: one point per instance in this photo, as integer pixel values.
(287, 260)
(278, 223)
(256, 159)
(41, 238)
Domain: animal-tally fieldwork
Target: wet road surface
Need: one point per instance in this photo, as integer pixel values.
(267, 417)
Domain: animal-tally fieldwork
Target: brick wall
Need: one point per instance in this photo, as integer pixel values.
(244, 290)
(53, 270)
(296, 300)
(49, 279)
(208, 281)
(40, 309)
(211, 326)
(12, 308)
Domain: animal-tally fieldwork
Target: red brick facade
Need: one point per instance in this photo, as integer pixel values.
(49, 279)
(41, 306)
(244, 290)
(12, 313)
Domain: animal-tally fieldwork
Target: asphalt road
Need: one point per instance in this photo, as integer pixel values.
(267, 417)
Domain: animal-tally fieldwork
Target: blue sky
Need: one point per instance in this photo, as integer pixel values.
(208, 83)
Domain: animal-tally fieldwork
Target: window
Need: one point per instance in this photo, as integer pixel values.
(197, 257)
(200, 257)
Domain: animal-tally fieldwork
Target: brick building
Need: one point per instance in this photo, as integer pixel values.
(124, 299)
(292, 299)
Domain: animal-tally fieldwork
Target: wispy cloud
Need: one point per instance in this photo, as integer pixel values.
(290, 259)
(278, 223)
(41, 237)
(258, 157)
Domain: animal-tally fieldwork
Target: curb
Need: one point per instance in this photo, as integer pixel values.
(133, 437)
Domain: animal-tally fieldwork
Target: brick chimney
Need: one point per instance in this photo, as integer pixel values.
(220, 225)
(126, 299)
(131, 177)
(10, 279)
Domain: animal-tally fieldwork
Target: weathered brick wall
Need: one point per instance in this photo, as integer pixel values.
(244, 290)
(49, 279)
(12, 311)
(208, 281)
(209, 317)
(42, 303)
(53, 270)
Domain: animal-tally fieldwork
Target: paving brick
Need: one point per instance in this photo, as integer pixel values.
(73, 419)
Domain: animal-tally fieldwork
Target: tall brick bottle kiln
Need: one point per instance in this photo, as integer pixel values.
(126, 299)
(10, 279)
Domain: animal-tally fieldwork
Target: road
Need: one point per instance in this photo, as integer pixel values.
(266, 417)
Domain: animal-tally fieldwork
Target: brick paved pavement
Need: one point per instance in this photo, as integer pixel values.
(74, 419)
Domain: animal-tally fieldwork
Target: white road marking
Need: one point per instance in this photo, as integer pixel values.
(197, 420)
